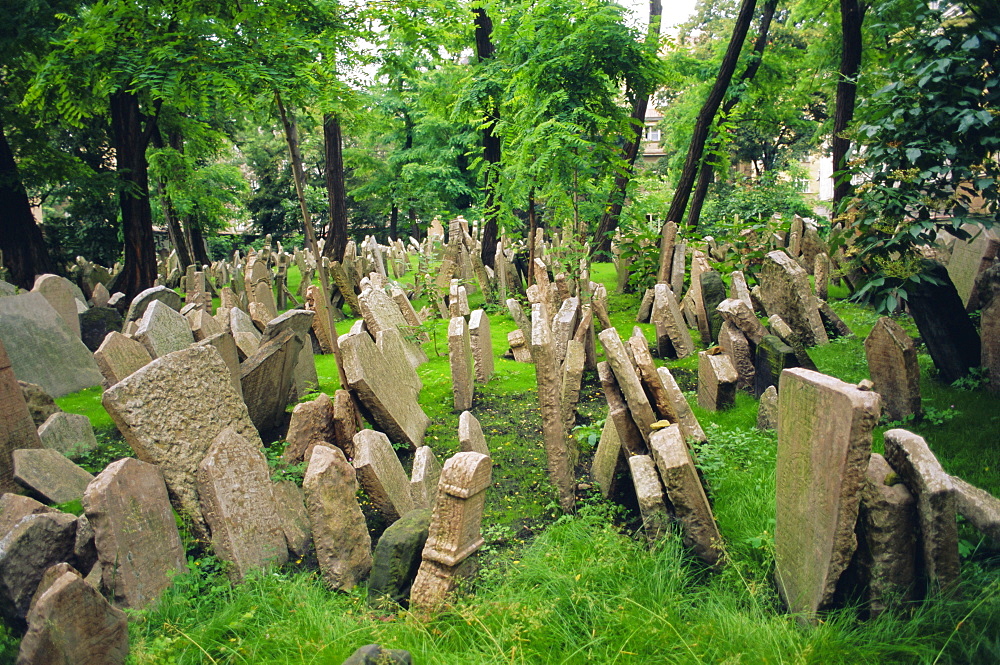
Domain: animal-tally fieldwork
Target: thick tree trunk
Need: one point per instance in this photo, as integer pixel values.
(601, 241)
(336, 192)
(703, 123)
(131, 138)
(178, 238)
(198, 246)
(491, 143)
(707, 170)
(24, 252)
(852, 15)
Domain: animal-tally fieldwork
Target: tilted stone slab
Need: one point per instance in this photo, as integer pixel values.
(343, 545)
(237, 500)
(381, 474)
(162, 330)
(686, 494)
(920, 470)
(311, 423)
(460, 359)
(137, 308)
(458, 512)
(34, 544)
(649, 493)
(293, 518)
(171, 410)
(380, 312)
(548, 380)
(397, 557)
(638, 346)
(571, 380)
(482, 345)
(59, 292)
(202, 324)
(628, 380)
(119, 356)
(138, 546)
(690, 426)
(672, 335)
(713, 292)
(564, 325)
(41, 347)
(470, 435)
(785, 291)
(767, 409)
(625, 427)
(716, 381)
(785, 333)
(735, 345)
(824, 442)
(266, 380)
(225, 344)
(645, 307)
(15, 507)
(425, 477)
(740, 314)
(979, 507)
(17, 429)
(609, 460)
(49, 474)
(892, 365)
(773, 357)
(345, 422)
(377, 385)
(69, 433)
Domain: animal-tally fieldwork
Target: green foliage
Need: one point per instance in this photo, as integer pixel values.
(748, 202)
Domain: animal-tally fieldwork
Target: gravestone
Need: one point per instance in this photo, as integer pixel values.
(618, 413)
(673, 339)
(785, 291)
(989, 325)
(920, 470)
(628, 380)
(70, 622)
(519, 346)
(470, 435)
(40, 403)
(345, 422)
(686, 494)
(738, 289)
(645, 307)
(741, 315)
(572, 378)
(559, 460)
(380, 312)
(50, 475)
(716, 381)
(225, 344)
(202, 324)
(266, 380)
(59, 292)
(969, 259)
(690, 427)
(767, 409)
(699, 265)
(299, 321)
(785, 333)
(96, 323)
(892, 364)
(824, 442)
(171, 410)
(381, 475)
(17, 429)
(377, 385)
(99, 295)
(773, 357)
(979, 507)
(162, 330)
(397, 557)
(609, 462)
(68, 433)
(343, 545)
(735, 345)
(713, 292)
(15, 507)
(564, 325)
(638, 348)
(34, 544)
(835, 326)
(137, 308)
(42, 349)
(322, 326)
(425, 476)
(482, 345)
(237, 500)
(460, 358)
(311, 423)
(138, 546)
(649, 492)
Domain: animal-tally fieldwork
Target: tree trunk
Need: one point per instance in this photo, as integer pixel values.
(139, 269)
(198, 247)
(532, 226)
(24, 252)
(178, 237)
(601, 241)
(491, 143)
(707, 114)
(852, 15)
(707, 170)
(393, 218)
(336, 191)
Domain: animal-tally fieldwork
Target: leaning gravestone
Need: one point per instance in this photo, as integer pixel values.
(26, 552)
(649, 493)
(138, 545)
(50, 475)
(380, 312)
(785, 291)
(142, 301)
(628, 380)
(234, 488)
(460, 357)
(311, 423)
(482, 345)
(162, 330)
(425, 477)
(42, 349)
(96, 323)
(17, 429)
(59, 292)
(989, 324)
(171, 410)
(343, 545)
(892, 364)
(266, 380)
(773, 357)
(713, 292)
(716, 381)
(673, 339)
(609, 460)
(397, 557)
(68, 433)
(290, 502)
(381, 475)
(824, 442)
(15, 507)
(470, 435)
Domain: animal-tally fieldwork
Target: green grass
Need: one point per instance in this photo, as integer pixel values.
(586, 588)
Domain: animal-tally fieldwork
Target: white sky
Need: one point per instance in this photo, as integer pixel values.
(674, 12)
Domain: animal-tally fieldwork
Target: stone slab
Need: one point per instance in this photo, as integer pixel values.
(649, 492)
(482, 345)
(381, 474)
(69, 433)
(50, 475)
(892, 365)
(17, 429)
(162, 330)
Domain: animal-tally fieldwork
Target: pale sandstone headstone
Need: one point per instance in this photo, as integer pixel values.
(225, 344)
(460, 358)
(920, 470)
(381, 474)
(741, 315)
(139, 304)
(69, 433)
(784, 332)
(645, 307)
(738, 289)
(638, 348)
(99, 296)
(49, 474)
(345, 422)
(564, 325)
(519, 346)
(293, 518)
(343, 545)
(626, 429)
(171, 410)
(266, 379)
(735, 345)
(716, 381)
(380, 312)
(649, 492)
(34, 544)
(425, 477)
(311, 423)
(14, 507)
(234, 488)
(162, 330)
(482, 345)
(70, 622)
(470, 435)
(892, 364)
(571, 380)
(547, 378)
(969, 258)
(767, 409)
(979, 507)
(785, 291)
(672, 335)
(824, 442)
(609, 460)
(686, 494)
(138, 546)
(17, 429)
(699, 265)
(118, 356)
(690, 427)
(59, 292)
(821, 272)
(202, 324)
(628, 380)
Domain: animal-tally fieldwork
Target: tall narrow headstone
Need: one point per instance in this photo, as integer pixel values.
(635, 396)
(649, 492)
(17, 429)
(460, 358)
(381, 474)
(716, 381)
(548, 381)
(785, 291)
(673, 339)
(425, 477)
(892, 364)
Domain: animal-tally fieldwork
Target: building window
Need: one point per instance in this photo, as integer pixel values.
(652, 134)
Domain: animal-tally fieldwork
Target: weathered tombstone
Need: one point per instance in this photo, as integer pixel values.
(380, 312)
(564, 325)
(785, 291)
(397, 557)
(909, 456)
(299, 321)
(773, 357)
(519, 346)
(99, 295)
(138, 545)
(571, 380)
(343, 545)
(690, 427)
(645, 307)
(824, 442)
(609, 460)
(321, 323)
(49, 474)
(162, 330)
(225, 344)
(741, 315)
(821, 272)
(234, 488)
(638, 348)
(17, 429)
(888, 544)
(649, 492)
(549, 390)
(470, 435)
(713, 292)
(34, 544)
(454, 532)
(202, 324)
(118, 356)
(58, 292)
(345, 422)
(15, 507)
(989, 325)
(381, 475)
(425, 476)
(767, 409)
(42, 349)
(139, 304)
(627, 431)
(673, 339)
(96, 323)
(311, 424)
(69, 433)
(716, 381)
(293, 518)
(969, 258)
(735, 345)
(979, 507)
(686, 494)
(266, 380)
(40, 403)
(171, 410)
(460, 358)
(785, 333)
(377, 385)
(482, 345)
(738, 289)
(628, 380)
(70, 622)
(892, 364)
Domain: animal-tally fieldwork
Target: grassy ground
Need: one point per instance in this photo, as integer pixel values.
(586, 588)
